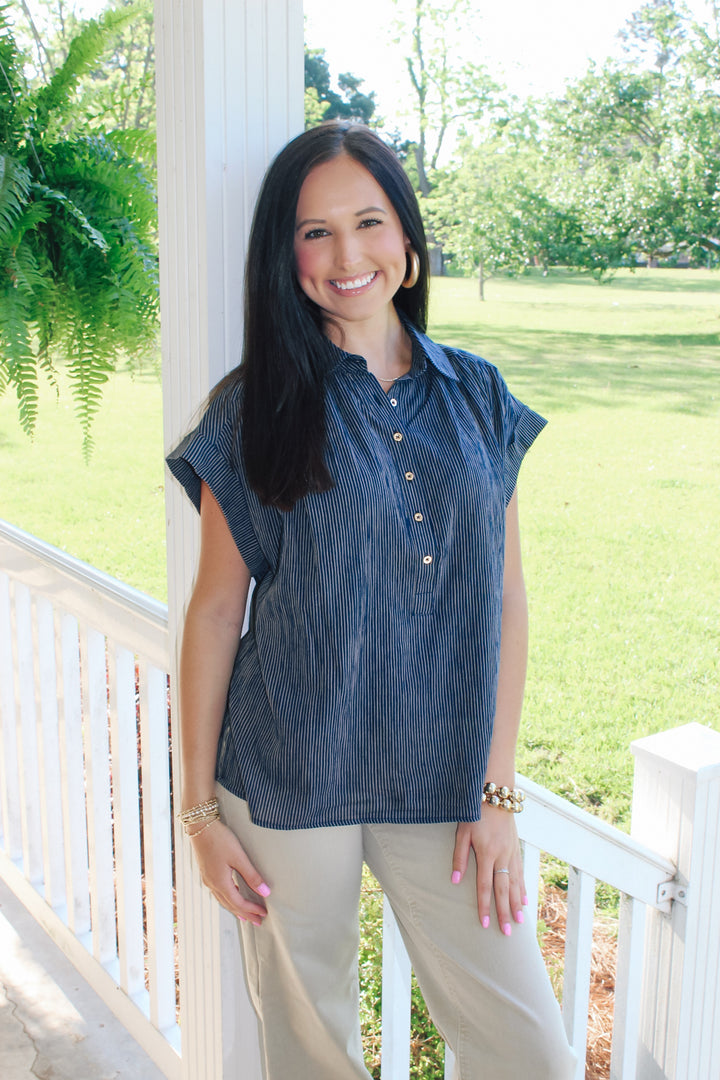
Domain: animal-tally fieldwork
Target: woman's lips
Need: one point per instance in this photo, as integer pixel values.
(354, 285)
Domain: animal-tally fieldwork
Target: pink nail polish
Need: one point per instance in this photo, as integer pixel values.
(525, 901)
(519, 917)
(485, 921)
(263, 889)
(456, 877)
(507, 929)
(242, 918)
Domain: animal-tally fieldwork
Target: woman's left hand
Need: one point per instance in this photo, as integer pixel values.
(494, 841)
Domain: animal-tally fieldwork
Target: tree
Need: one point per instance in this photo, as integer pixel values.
(656, 31)
(324, 103)
(448, 91)
(496, 207)
(77, 232)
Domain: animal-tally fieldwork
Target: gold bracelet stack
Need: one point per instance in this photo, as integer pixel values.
(204, 814)
(511, 799)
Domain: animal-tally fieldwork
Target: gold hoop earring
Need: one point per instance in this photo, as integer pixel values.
(411, 278)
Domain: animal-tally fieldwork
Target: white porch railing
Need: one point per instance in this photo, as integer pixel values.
(85, 793)
(85, 802)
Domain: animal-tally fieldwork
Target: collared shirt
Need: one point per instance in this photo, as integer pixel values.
(364, 690)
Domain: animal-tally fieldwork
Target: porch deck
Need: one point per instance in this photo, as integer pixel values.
(53, 1026)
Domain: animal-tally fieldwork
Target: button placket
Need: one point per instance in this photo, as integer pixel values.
(424, 537)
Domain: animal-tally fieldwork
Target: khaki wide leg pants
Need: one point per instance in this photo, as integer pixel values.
(489, 995)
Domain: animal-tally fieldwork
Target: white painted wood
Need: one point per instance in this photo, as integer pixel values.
(531, 872)
(395, 1000)
(628, 988)
(126, 820)
(27, 743)
(578, 958)
(99, 806)
(676, 809)
(9, 771)
(229, 94)
(157, 827)
(50, 793)
(72, 767)
(127, 616)
(556, 826)
(73, 700)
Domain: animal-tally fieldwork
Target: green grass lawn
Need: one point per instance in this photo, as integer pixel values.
(620, 502)
(620, 505)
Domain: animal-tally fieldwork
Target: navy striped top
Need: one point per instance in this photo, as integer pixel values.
(364, 690)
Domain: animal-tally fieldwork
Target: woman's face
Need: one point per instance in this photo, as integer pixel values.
(349, 243)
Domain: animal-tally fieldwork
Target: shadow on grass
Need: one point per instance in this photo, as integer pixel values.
(670, 372)
(670, 280)
(646, 283)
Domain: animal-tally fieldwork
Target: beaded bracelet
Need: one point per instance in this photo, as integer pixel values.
(204, 814)
(511, 799)
(202, 828)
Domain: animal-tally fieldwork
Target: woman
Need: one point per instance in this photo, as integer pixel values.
(364, 477)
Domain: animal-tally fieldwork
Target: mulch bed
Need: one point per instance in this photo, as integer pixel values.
(553, 912)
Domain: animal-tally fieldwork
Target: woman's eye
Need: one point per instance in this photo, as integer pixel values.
(367, 222)
(313, 234)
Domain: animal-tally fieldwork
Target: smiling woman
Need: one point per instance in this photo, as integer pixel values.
(352, 261)
(370, 714)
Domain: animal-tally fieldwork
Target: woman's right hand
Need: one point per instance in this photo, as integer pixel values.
(219, 855)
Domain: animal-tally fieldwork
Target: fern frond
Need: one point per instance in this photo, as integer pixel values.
(86, 50)
(15, 181)
(105, 181)
(88, 370)
(83, 229)
(25, 273)
(16, 356)
(135, 142)
(33, 215)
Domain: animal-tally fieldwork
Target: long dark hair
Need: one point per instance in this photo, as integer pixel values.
(286, 355)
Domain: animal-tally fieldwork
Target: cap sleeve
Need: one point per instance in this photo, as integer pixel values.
(210, 453)
(514, 425)
(520, 428)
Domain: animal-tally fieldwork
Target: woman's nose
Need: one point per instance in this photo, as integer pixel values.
(347, 250)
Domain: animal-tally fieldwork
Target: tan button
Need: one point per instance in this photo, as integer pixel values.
(397, 436)
(393, 402)
(418, 517)
(409, 475)
(427, 559)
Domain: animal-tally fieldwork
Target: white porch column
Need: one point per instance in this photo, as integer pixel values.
(230, 94)
(676, 812)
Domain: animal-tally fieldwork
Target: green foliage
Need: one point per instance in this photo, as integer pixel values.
(77, 231)
(324, 103)
(446, 91)
(624, 167)
(116, 94)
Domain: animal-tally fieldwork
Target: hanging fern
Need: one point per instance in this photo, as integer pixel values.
(78, 253)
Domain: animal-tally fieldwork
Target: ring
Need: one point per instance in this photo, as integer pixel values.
(503, 871)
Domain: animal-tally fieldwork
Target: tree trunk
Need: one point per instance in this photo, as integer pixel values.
(435, 254)
(481, 280)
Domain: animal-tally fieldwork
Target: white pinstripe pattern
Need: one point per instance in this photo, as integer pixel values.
(364, 690)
